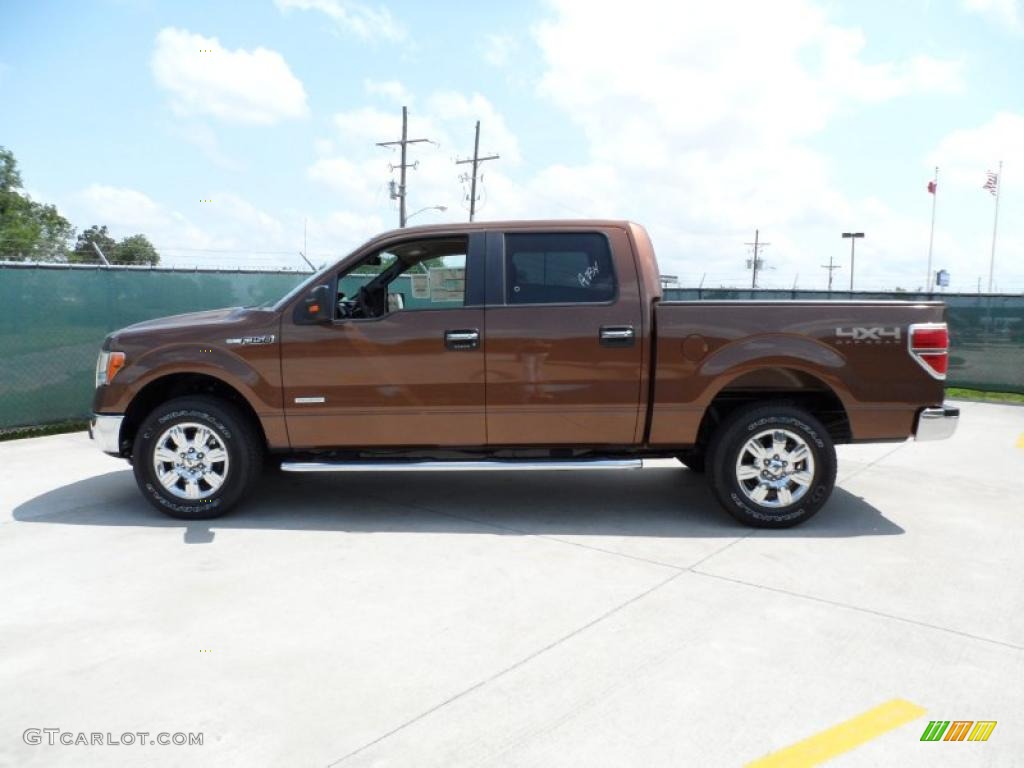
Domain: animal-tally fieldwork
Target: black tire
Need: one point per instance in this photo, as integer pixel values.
(693, 459)
(729, 443)
(229, 426)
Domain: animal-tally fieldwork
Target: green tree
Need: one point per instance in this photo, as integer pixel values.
(28, 230)
(84, 253)
(136, 250)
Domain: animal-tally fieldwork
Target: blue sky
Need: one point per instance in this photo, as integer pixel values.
(702, 121)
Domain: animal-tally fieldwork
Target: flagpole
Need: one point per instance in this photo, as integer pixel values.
(931, 237)
(995, 227)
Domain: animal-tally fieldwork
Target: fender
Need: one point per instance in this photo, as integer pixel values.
(681, 402)
(803, 354)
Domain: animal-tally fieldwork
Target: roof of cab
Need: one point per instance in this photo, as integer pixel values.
(476, 226)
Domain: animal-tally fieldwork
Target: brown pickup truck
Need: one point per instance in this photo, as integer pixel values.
(517, 345)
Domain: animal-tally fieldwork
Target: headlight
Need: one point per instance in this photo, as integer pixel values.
(107, 366)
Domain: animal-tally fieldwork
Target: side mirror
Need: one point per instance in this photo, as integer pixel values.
(315, 308)
(396, 302)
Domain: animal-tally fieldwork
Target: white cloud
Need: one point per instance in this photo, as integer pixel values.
(204, 78)
(498, 50)
(1005, 13)
(966, 154)
(389, 89)
(205, 139)
(228, 231)
(360, 20)
(702, 128)
(128, 211)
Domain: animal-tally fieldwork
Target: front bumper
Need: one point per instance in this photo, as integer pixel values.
(105, 430)
(937, 423)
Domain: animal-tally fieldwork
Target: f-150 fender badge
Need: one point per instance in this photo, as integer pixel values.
(868, 334)
(267, 339)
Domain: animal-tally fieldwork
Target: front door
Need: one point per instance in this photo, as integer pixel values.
(402, 363)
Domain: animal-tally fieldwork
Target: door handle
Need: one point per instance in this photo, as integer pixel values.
(468, 338)
(617, 335)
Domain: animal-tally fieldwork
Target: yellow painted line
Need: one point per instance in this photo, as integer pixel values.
(1020, 441)
(843, 737)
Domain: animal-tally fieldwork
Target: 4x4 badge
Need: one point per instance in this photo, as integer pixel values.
(873, 333)
(268, 339)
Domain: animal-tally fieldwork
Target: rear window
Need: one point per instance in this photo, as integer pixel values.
(558, 268)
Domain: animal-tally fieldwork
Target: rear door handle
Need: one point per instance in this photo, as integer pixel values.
(468, 338)
(617, 335)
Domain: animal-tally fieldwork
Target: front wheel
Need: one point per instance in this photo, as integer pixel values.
(772, 466)
(195, 457)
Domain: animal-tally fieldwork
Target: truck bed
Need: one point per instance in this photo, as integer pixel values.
(859, 351)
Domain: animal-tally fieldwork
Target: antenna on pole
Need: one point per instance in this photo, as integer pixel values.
(107, 263)
(475, 160)
(303, 255)
(404, 142)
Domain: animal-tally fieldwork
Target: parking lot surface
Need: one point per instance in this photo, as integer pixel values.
(517, 619)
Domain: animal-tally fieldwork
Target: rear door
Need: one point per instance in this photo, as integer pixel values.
(563, 347)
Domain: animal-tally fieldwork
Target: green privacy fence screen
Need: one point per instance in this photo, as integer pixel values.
(53, 320)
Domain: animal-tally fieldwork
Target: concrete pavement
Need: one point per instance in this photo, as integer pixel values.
(514, 619)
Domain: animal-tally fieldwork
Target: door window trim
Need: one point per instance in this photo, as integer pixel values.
(476, 269)
(497, 262)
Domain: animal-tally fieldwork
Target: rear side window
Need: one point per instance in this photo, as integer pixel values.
(558, 268)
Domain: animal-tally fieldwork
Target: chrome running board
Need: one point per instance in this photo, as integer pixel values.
(531, 465)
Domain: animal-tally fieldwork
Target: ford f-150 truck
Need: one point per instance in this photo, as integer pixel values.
(517, 345)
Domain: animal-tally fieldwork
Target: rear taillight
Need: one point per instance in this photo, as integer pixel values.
(929, 345)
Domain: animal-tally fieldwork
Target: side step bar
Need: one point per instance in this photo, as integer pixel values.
(459, 466)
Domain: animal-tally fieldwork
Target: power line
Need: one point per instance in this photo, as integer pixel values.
(404, 142)
(475, 160)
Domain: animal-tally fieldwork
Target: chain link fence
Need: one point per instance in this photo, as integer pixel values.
(55, 317)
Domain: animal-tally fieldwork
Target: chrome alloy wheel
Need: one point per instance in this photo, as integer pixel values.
(190, 460)
(775, 468)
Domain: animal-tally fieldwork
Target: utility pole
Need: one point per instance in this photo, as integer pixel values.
(853, 238)
(475, 160)
(755, 263)
(400, 193)
(830, 267)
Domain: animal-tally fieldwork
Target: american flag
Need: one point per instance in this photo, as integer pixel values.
(992, 185)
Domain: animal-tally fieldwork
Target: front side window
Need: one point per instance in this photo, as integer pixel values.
(558, 268)
(413, 275)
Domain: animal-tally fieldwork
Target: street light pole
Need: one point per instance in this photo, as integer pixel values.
(441, 208)
(853, 237)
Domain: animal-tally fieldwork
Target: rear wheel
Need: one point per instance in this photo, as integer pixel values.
(195, 457)
(772, 466)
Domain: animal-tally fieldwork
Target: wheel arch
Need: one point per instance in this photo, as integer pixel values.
(172, 385)
(787, 384)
